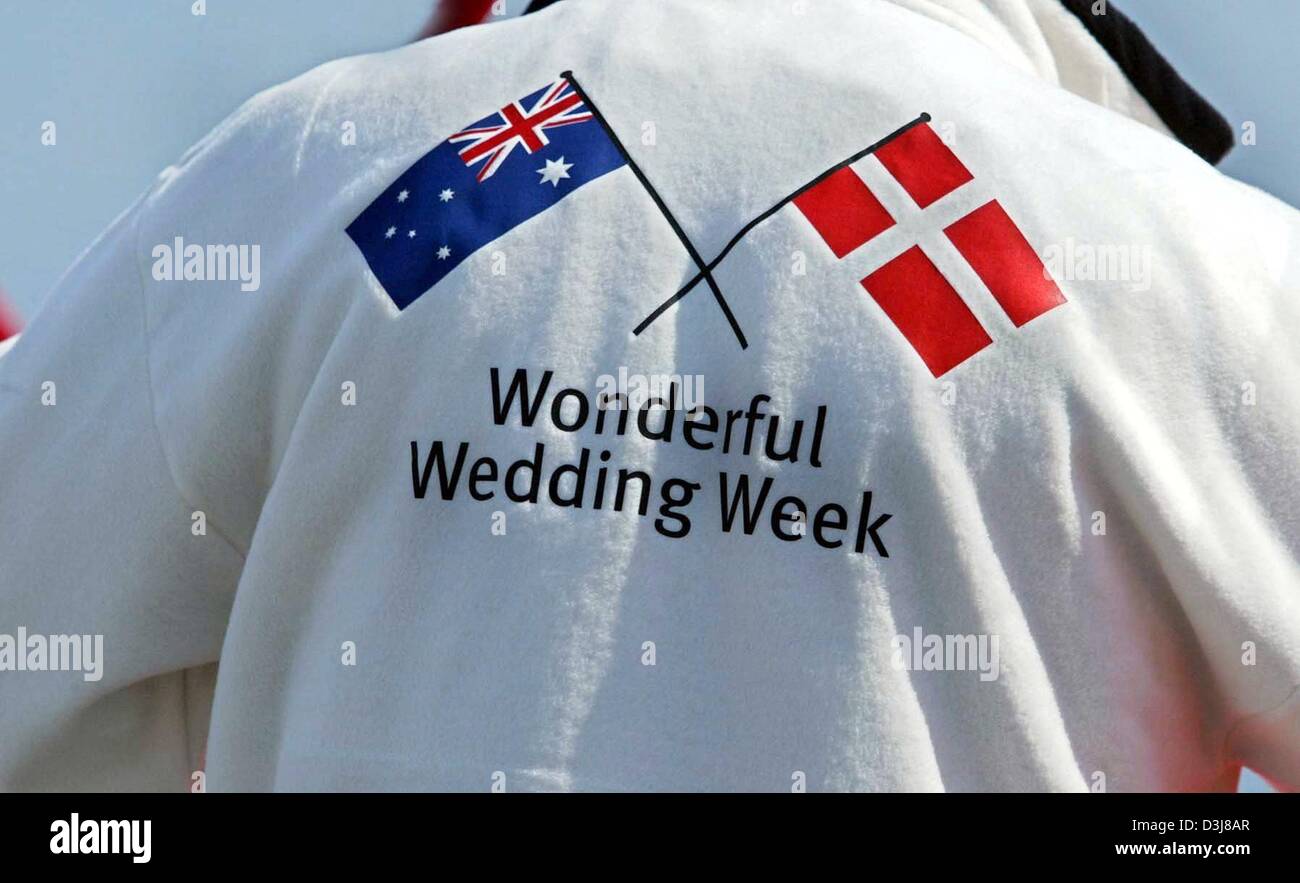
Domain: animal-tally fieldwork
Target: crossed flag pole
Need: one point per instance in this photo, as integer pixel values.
(705, 271)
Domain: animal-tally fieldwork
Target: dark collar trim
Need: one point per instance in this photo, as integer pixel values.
(1191, 118)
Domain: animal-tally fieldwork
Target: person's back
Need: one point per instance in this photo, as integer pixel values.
(981, 473)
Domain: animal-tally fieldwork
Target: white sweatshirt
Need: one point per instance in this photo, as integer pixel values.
(1089, 575)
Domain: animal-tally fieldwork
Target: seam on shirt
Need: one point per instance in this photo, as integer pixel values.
(144, 300)
(344, 67)
(1227, 748)
(148, 377)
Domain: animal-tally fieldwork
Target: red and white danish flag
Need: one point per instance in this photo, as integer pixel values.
(858, 208)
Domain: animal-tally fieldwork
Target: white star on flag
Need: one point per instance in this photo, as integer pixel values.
(554, 171)
(401, 197)
(447, 194)
(444, 253)
(388, 234)
(410, 234)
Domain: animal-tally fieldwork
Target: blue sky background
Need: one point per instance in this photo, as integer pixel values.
(132, 83)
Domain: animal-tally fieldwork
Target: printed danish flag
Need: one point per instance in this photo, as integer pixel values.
(898, 210)
(912, 292)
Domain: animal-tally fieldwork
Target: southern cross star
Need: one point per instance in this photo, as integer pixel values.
(554, 171)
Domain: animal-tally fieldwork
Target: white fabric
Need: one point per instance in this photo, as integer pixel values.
(519, 659)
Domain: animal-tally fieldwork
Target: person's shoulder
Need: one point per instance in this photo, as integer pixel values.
(297, 143)
(254, 146)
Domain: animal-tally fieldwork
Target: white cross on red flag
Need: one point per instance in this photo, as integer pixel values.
(922, 304)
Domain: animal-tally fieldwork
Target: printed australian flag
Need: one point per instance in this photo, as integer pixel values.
(479, 184)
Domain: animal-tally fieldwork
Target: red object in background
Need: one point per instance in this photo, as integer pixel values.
(453, 14)
(9, 324)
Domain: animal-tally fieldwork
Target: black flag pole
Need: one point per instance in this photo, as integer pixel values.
(705, 271)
